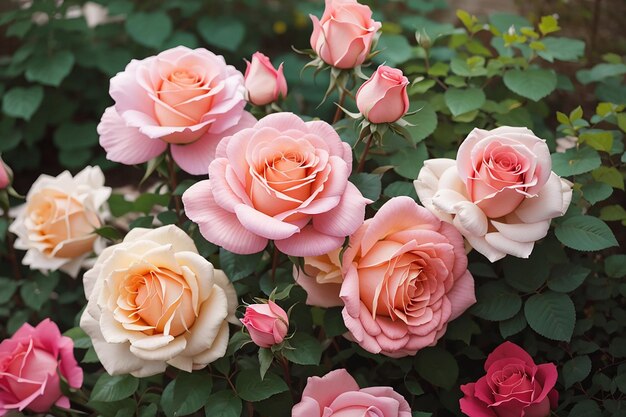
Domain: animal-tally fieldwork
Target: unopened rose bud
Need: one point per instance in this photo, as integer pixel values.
(266, 323)
(264, 84)
(383, 98)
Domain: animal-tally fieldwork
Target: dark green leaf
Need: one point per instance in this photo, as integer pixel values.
(408, 162)
(250, 387)
(567, 277)
(150, 29)
(496, 301)
(368, 184)
(22, 102)
(265, 360)
(551, 314)
(615, 266)
(575, 370)
(36, 291)
(575, 161)
(223, 404)
(224, 32)
(437, 366)
(113, 388)
(186, 394)
(513, 325)
(461, 101)
(50, 70)
(307, 349)
(585, 233)
(72, 136)
(526, 274)
(237, 267)
(7, 289)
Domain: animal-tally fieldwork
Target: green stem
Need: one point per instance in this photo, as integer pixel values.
(173, 183)
(368, 145)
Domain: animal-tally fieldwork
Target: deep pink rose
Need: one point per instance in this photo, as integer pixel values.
(337, 394)
(405, 277)
(264, 84)
(266, 323)
(343, 37)
(186, 98)
(5, 178)
(514, 386)
(383, 98)
(30, 364)
(284, 180)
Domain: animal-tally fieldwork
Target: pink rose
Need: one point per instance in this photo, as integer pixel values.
(383, 98)
(31, 364)
(513, 386)
(337, 394)
(5, 177)
(405, 277)
(321, 279)
(266, 323)
(500, 193)
(264, 84)
(283, 179)
(186, 98)
(343, 37)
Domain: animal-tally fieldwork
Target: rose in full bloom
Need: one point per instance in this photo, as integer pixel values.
(264, 84)
(321, 279)
(514, 386)
(267, 324)
(56, 224)
(405, 278)
(32, 363)
(337, 394)
(5, 178)
(500, 193)
(383, 98)
(153, 301)
(284, 180)
(186, 98)
(343, 36)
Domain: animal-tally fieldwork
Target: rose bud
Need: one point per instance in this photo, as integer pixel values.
(383, 98)
(343, 36)
(266, 323)
(263, 83)
(5, 178)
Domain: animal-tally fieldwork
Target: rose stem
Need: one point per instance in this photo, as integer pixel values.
(368, 144)
(285, 365)
(173, 184)
(17, 272)
(339, 112)
(275, 259)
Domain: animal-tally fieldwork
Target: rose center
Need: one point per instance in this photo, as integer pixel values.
(33, 364)
(184, 77)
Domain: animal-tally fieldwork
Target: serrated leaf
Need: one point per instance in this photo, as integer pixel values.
(551, 314)
(585, 408)
(223, 404)
(113, 388)
(22, 102)
(307, 350)
(575, 161)
(567, 277)
(150, 29)
(615, 266)
(251, 388)
(496, 301)
(437, 366)
(596, 191)
(186, 394)
(526, 274)
(513, 325)
(408, 162)
(237, 267)
(585, 233)
(533, 83)
(461, 101)
(575, 370)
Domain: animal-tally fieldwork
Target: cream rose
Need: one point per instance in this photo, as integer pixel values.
(153, 301)
(56, 224)
(321, 279)
(500, 193)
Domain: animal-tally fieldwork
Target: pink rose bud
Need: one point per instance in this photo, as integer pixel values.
(264, 84)
(343, 36)
(32, 363)
(266, 323)
(5, 178)
(383, 98)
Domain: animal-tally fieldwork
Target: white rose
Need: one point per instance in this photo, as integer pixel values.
(56, 224)
(153, 301)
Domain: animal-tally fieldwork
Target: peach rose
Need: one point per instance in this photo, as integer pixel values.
(344, 35)
(405, 278)
(383, 98)
(321, 279)
(500, 193)
(56, 224)
(186, 98)
(153, 301)
(264, 84)
(284, 180)
(267, 324)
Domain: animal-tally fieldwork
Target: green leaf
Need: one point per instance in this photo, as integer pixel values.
(7, 289)
(533, 83)
(437, 366)
(333, 322)
(50, 70)
(461, 101)
(113, 388)
(408, 162)
(72, 136)
(468, 68)
(399, 188)
(585, 408)
(79, 337)
(369, 184)
(551, 314)
(548, 24)
(223, 32)
(575, 161)
(265, 361)
(562, 49)
(36, 291)
(615, 266)
(609, 175)
(600, 72)
(186, 394)
(496, 301)
(223, 404)
(149, 29)
(585, 233)
(513, 325)
(601, 141)
(526, 274)
(395, 49)
(575, 370)
(596, 191)
(307, 350)
(250, 387)
(503, 21)
(612, 213)
(74, 158)
(567, 277)
(237, 267)
(424, 121)
(22, 102)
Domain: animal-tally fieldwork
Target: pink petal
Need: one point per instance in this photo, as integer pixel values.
(263, 225)
(330, 136)
(126, 144)
(508, 350)
(346, 217)
(309, 242)
(462, 295)
(326, 389)
(281, 122)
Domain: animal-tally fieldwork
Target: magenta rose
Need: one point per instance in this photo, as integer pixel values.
(405, 278)
(383, 98)
(343, 36)
(337, 394)
(264, 84)
(284, 180)
(32, 363)
(5, 176)
(187, 99)
(267, 324)
(514, 386)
